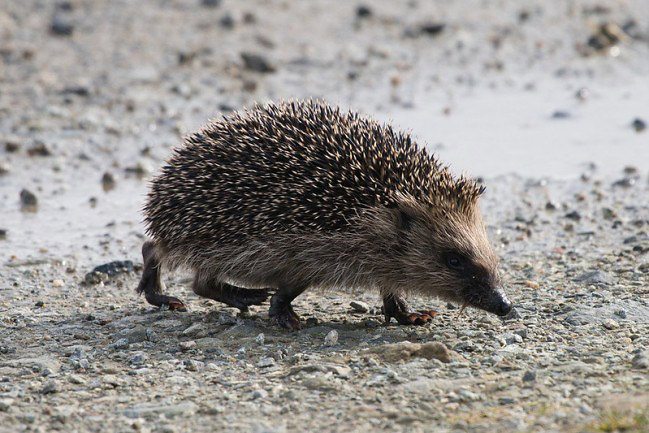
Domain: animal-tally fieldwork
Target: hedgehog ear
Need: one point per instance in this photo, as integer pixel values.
(403, 219)
(404, 215)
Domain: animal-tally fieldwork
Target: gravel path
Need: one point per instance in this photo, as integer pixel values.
(94, 94)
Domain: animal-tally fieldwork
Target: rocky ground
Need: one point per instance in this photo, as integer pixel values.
(94, 94)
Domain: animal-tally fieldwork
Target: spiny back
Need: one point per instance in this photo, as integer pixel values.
(295, 166)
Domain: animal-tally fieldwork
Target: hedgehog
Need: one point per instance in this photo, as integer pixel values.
(295, 195)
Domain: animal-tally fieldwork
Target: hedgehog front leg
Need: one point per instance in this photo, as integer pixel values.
(395, 306)
(233, 296)
(281, 310)
(150, 283)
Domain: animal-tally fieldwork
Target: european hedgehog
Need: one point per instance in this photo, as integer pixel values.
(301, 194)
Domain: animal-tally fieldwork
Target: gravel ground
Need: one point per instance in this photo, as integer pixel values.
(94, 94)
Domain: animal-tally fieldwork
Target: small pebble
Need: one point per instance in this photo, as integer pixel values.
(39, 149)
(514, 339)
(226, 21)
(641, 361)
(28, 201)
(51, 387)
(573, 215)
(266, 362)
(550, 206)
(187, 345)
(610, 324)
(432, 29)
(332, 338)
(532, 284)
(76, 379)
(259, 339)
(107, 181)
(12, 146)
(259, 394)
(582, 94)
(621, 314)
(61, 27)
(193, 365)
(5, 404)
(137, 359)
(363, 11)
(359, 307)
(257, 63)
(560, 115)
(522, 332)
(119, 344)
(529, 376)
(639, 125)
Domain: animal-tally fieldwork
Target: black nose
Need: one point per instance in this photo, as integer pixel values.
(505, 308)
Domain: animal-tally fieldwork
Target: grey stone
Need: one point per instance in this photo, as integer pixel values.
(119, 344)
(260, 338)
(187, 345)
(595, 277)
(5, 404)
(259, 394)
(50, 387)
(332, 338)
(266, 362)
(137, 359)
(529, 376)
(641, 361)
(359, 307)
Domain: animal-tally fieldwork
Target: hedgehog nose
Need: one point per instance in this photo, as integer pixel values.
(505, 308)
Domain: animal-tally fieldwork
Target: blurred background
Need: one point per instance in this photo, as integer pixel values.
(94, 94)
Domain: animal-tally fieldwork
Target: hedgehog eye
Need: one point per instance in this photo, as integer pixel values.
(455, 261)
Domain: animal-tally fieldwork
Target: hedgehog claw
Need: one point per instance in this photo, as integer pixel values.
(287, 319)
(170, 302)
(394, 306)
(176, 304)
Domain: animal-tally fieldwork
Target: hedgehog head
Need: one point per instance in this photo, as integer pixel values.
(442, 249)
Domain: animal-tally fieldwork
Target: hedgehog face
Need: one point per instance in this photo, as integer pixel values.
(447, 253)
(478, 283)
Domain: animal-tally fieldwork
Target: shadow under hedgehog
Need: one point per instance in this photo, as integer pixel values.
(300, 194)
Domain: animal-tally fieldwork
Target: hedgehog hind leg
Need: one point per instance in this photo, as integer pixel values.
(397, 307)
(281, 310)
(228, 294)
(150, 283)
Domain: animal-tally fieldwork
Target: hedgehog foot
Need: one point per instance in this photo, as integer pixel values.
(230, 295)
(286, 318)
(171, 302)
(150, 283)
(397, 307)
(243, 298)
(281, 310)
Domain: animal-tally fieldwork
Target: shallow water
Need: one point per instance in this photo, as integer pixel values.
(506, 130)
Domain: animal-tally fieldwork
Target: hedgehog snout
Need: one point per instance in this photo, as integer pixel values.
(498, 303)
